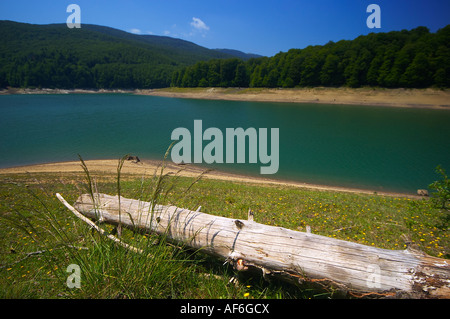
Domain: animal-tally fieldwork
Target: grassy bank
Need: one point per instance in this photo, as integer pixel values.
(40, 238)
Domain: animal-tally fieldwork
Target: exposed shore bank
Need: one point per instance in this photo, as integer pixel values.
(417, 98)
(147, 169)
(407, 98)
(62, 91)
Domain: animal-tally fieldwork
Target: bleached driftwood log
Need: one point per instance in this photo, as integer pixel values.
(358, 269)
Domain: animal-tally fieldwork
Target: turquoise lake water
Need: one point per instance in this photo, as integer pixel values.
(376, 148)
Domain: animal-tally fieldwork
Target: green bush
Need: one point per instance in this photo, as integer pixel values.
(442, 187)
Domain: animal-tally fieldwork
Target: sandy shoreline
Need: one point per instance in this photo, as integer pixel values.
(407, 98)
(147, 168)
(62, 91)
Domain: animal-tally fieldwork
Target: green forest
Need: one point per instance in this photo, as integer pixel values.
(54, 56)
(410, 59)
(96, 57)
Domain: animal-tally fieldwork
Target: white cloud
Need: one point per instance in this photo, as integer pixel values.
(139, 31)
(136, 31)
(199, 24)
(166, 32)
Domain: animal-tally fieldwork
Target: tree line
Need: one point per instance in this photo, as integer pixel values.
(53, 56)
(61, 69)
(411, 59)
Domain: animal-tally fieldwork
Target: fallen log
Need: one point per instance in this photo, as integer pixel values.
(357, 269)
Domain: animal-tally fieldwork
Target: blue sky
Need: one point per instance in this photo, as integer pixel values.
(265, 27)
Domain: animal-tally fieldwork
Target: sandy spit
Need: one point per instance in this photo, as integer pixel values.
(417, 98)
(148, 168)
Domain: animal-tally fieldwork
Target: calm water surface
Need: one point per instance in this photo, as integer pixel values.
(378, 148)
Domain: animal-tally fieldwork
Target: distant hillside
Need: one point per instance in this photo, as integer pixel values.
(410, 59)
(239, 54)
(94, 56)
(181, 50)
(54, 56)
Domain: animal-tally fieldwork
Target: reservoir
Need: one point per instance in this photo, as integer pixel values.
(370, 147)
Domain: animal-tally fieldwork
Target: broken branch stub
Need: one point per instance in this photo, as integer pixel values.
(359, 269)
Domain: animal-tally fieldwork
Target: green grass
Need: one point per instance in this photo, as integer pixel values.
(39, 237)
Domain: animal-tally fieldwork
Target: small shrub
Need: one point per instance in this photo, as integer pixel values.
(442, 187)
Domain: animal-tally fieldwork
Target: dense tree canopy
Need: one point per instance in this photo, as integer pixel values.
(411, 59)
(54, 56)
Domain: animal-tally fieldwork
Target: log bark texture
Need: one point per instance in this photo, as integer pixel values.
(357, 269)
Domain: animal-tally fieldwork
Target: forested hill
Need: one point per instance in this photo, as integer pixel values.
(239, 54)
(54, 56)
(411, 59)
